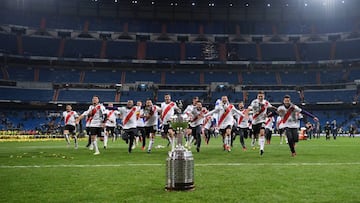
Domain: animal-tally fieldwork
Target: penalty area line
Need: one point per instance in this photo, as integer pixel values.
(210, 164)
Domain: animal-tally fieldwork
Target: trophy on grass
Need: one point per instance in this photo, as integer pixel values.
(180, 163)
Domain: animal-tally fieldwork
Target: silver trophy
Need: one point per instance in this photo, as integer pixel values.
(180, 163)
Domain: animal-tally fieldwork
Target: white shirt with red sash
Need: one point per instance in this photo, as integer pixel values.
(289, 116)
(70, 117)
(259, 110)
(151, 115)
(129, 117)
(197, 116)
(269, 122)
(207, 122)
(279, 124)
(140, 120)
(85, 115)
(188, 109)
(226, 114)
(96, 115)
(243, 121)
(112, 115)
(167, 111)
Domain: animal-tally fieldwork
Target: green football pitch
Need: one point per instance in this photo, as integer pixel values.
(50, 171)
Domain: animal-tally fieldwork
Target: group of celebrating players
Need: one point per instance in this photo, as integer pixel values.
(228, 120)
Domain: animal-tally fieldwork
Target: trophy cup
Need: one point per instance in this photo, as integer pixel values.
(180, 163)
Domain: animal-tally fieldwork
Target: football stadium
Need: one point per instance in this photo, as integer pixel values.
(179, 100)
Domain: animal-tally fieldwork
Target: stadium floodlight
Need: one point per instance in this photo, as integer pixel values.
(193, 4)
(268, 5)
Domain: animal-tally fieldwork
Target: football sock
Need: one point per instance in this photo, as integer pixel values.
(95, 146)
(151, 142)
(262, 142)
(67, 138)
(76, 141)
(105, 140)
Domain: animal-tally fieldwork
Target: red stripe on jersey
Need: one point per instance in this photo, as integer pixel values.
(68, 117)
(261, 110)
(127, 118)
(111, 112)
(223, 116)
(287, 115)
(167, 109)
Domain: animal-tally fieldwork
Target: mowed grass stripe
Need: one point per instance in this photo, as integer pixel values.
(210, 164)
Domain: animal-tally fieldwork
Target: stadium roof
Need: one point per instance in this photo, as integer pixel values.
(257, 10)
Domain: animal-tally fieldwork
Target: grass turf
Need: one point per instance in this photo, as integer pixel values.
(49, 171)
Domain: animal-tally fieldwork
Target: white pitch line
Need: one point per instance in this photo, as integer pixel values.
(214, 164)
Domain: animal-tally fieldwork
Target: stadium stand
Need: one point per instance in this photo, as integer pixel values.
(40, 46)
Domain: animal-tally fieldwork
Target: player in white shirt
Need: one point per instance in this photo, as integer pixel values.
(196, 121)
(188, 133)
(226, 120)
(280, 129)
(168, 109)
(208, 128)
(242, 125)
(269, 123)
(129, 116)
(96, 117)
(112, 114)
(259, 107)
(289, 115)
(150, 116)
(140, 135)
(69, 117)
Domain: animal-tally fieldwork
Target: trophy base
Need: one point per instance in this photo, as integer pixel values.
(181, 187)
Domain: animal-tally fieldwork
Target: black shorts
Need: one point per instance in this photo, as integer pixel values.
(129, 133)
(150, 129)
(281, 131)
(96, 131)
(87, 130)
(165, 129)
(110, 130)
(223, 131)
(70, 128)
(256, 128)
(140, 131)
